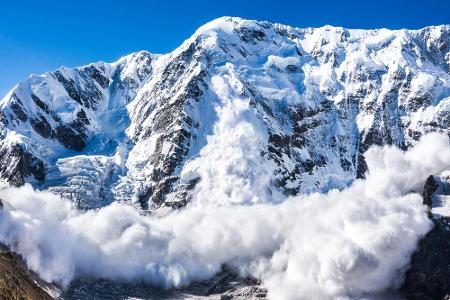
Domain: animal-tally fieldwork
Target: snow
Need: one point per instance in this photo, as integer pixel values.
(340, 244)
(441, 206)
(224, 24)
(238, 133)
(329, 58)
(422, 81)
(84, 179)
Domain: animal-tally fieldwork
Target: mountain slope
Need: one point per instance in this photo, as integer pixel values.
(297, 107)
(15, 281)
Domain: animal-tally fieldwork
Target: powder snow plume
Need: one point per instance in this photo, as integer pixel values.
(323, 246)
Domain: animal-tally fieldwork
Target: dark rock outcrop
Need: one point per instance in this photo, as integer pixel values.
(429, 275)
(431, 185)
(15, 282)
(225, 285)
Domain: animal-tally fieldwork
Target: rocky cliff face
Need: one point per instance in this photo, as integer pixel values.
(429, 276)
(314, 99)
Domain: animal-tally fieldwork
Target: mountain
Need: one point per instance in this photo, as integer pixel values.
(292, 111)
(137, 129)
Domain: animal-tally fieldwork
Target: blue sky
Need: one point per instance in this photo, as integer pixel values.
(37, 36)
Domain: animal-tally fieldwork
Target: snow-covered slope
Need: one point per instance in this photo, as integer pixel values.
(65, 130)
(252, 104)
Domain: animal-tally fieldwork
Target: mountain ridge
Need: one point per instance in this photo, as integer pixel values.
(292, 79)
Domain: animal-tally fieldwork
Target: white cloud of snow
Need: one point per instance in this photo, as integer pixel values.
(343, 243)
(230, 165)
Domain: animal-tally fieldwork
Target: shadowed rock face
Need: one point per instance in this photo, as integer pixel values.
(224, 285)
(16, 164)
(429, 275)
(430, 187)
(15, 281)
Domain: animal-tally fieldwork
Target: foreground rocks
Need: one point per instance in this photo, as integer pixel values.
(429, 275)
(15, 281)
(224, 286)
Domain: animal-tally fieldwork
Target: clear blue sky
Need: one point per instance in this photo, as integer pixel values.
(37, 36)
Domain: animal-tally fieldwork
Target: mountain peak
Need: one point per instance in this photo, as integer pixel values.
(225, 23)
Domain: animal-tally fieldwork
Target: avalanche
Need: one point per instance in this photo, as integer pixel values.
(342, 243)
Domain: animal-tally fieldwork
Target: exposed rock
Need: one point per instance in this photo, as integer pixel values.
(430, 187)
(15, 282)
(223, 286)
(16, 164)
(321, 97)
(71, 138)
(429, 275)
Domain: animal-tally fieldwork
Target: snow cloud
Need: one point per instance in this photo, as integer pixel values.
(231, 166)
(343, 243)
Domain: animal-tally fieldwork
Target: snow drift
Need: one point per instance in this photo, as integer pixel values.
(343, 243)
